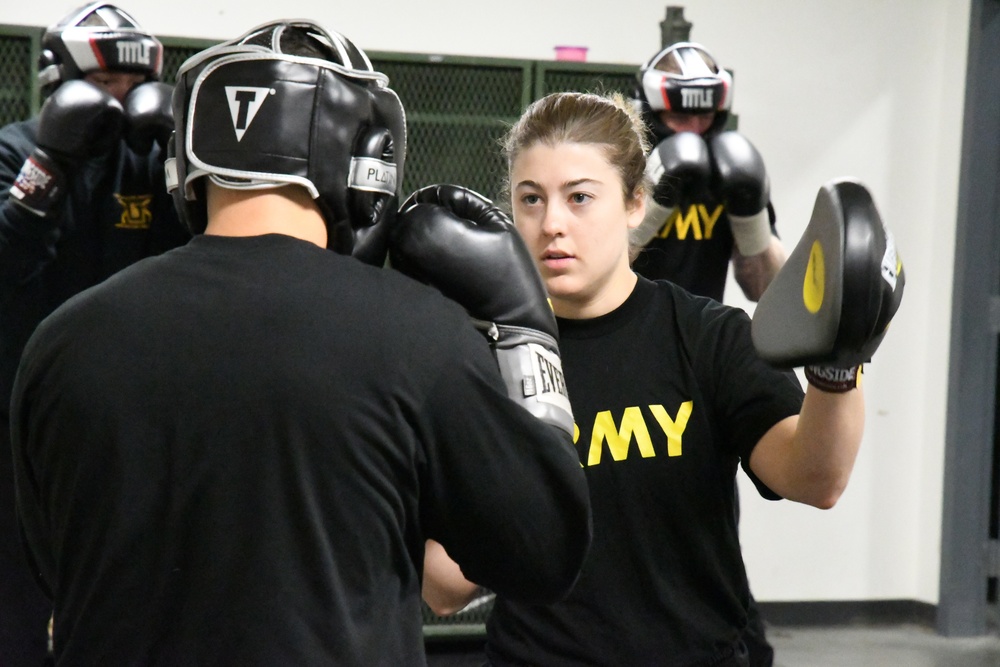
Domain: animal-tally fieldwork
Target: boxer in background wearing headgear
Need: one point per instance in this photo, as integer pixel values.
(82, 196)
(234, 453)
(711, 200)
(710, 203)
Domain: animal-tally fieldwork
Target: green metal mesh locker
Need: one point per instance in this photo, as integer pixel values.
(456, 111)
(175, 51)
(18, 73)
(561, 76)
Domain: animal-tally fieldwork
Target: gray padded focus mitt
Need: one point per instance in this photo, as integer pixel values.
(831, 303)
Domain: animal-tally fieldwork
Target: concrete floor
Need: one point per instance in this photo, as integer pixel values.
(881, 646)
(841, 646)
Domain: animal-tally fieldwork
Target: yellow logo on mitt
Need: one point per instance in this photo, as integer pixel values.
(814, 282)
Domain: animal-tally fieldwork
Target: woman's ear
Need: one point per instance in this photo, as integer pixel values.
(635, 206)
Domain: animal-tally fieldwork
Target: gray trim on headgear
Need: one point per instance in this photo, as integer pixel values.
(252, 116)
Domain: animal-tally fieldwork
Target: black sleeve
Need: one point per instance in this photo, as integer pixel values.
(752, 395)
(504, 491)
(27, 241)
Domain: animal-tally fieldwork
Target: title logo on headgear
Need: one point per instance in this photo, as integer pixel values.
(697, 98)
(244, 103)
(131, 52)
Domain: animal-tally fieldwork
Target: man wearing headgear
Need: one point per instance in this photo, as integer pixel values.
(710, 204)
(711, 201)
(82, 195)
(233, 453)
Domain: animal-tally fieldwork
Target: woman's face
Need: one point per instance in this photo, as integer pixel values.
(568, 207)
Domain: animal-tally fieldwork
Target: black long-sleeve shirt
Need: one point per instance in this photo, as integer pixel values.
(231, 454)
(116, 211)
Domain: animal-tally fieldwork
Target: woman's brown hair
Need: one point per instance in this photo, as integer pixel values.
(608, 121)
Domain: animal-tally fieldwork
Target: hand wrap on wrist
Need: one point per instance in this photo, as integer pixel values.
(833, 380)
(40, 185)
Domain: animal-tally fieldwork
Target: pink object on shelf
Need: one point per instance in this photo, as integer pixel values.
(575, 53)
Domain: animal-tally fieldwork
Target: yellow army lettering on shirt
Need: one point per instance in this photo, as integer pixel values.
(697, 220)
(633, 425)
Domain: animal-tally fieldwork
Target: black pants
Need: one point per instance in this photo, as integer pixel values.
(754, 637)
(24, 609)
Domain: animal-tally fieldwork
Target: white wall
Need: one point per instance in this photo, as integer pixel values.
(865, 88)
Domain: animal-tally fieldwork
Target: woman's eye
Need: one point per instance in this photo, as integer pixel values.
(529, 199)
(580, 198)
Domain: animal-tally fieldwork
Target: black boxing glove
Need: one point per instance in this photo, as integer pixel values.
(740, 178)
(371, 198)
(454, 239)
(679, 167)
(78, 121)
(148, 116)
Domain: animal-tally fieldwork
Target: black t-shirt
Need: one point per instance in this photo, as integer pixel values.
(669, 398)
(232, 454)
(693, 247)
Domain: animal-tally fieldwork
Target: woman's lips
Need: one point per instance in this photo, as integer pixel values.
(556, 259)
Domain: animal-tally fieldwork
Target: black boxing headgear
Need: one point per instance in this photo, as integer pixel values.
(291, 103)
(684, 78)
(97, 36)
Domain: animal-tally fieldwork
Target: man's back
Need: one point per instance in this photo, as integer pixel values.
(251, 439)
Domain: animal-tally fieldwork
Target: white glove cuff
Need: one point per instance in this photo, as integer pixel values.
(752, 234)
(651, 224)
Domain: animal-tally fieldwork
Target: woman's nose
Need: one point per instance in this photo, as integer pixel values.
(554, 221)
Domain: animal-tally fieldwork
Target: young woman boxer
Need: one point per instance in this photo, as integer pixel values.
(669, 398)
